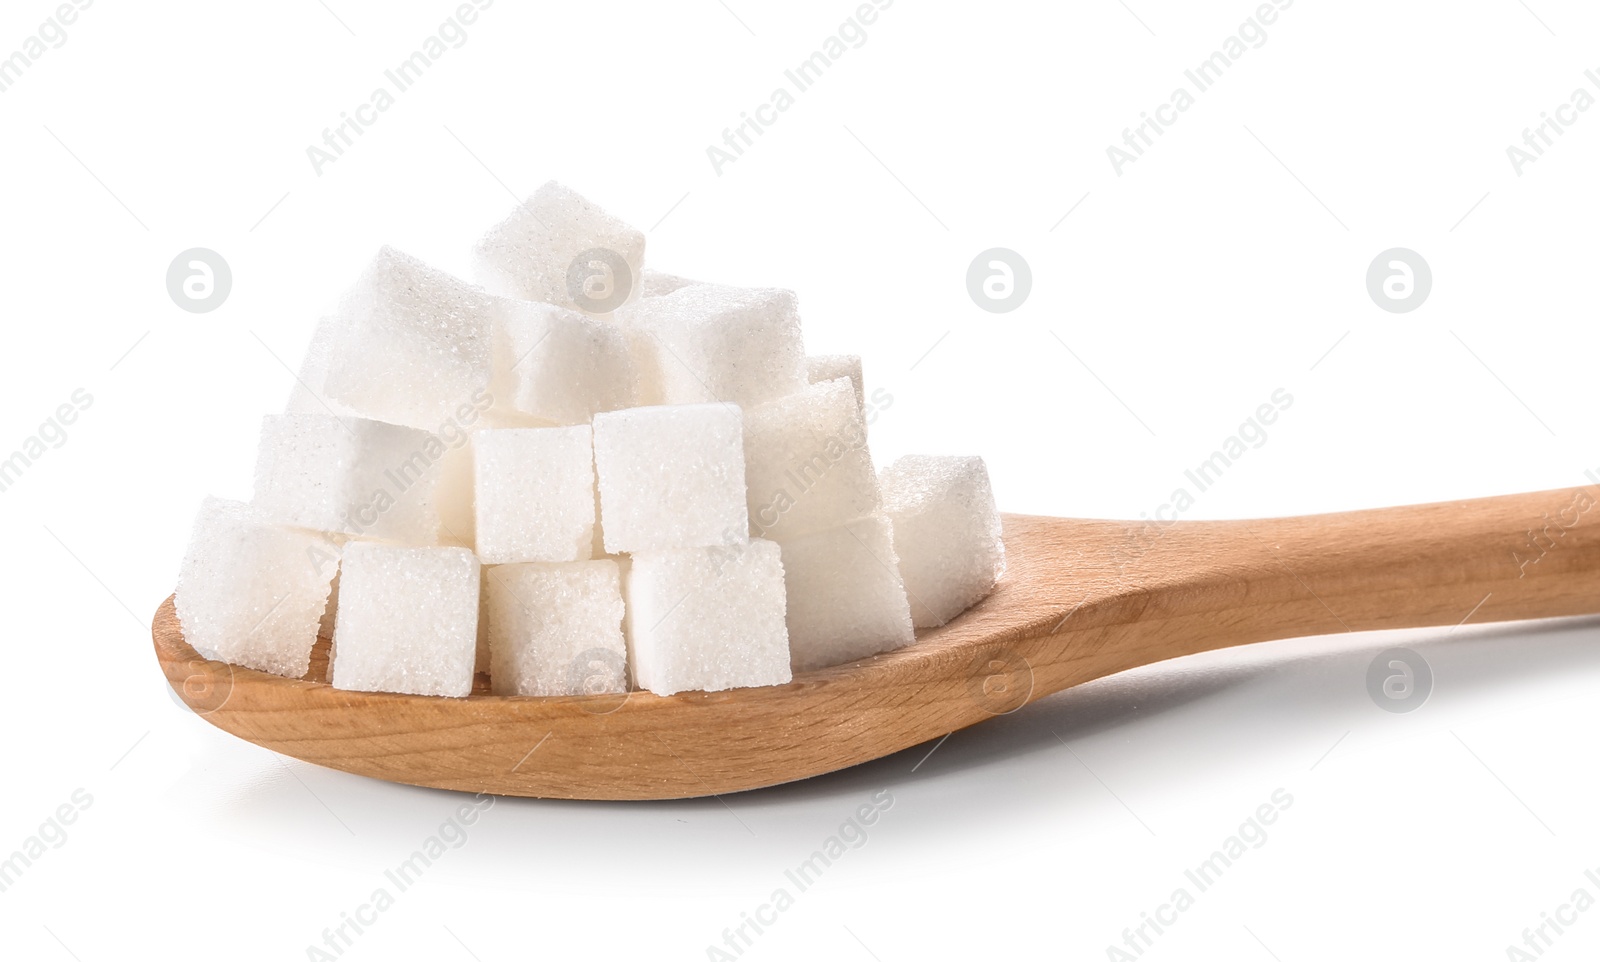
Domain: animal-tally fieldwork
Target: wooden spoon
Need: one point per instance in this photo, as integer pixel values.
(1079, 600)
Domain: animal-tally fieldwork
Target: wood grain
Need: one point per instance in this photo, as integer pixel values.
(1080, 600)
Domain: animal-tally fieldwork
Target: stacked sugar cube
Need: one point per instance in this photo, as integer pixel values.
(583, 477)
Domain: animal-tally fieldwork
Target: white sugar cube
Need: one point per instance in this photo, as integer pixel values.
(559, 248)
(558, 365)
(555, 629)
(251, 593)
(407, 620)
(455, 497)
(597, 547)
(946, 533)
(807, 466)
(845, 596)
(409, 343)
(535, 494)
(710, 342)
(826, 367)
(349, 475)
(310, 392)
(480, 655)
(707, 618)
(655, 283)
(671, 477)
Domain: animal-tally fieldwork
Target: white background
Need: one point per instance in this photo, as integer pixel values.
(1226, 263)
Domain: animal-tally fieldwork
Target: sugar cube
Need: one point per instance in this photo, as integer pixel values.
(310, 392)
(555, 629)
(407, 619)
(535, 494)
(480, 655)
(946, 533)
(597, 546)
(671, 477)
(349, 475)
(707, 618)
(409, 343)
(455, 497)
(845, 596)
(558, 365)
(826, 367)
(559, 248)
(710, 342)
(807, 466)
(252, 593)
(624, 565)
(654, 283)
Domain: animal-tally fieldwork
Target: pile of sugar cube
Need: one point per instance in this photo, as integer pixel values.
(581, 477)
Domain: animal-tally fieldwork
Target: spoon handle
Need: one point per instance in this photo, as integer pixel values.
(1163, 591)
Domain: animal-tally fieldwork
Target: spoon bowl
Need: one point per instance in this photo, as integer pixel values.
(1080, 599)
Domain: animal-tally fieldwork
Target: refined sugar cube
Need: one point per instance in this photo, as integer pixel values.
(407, 620)
(671, 477)
(555, 629)
(455, 497)
(826, 367)
(624, 565)
(707, 618)
(535, 494)
(251, 593)
(807, 466)
(558, 365)
(559, 248)
(480, 657)
(655, 283)
(597, 547)
(709, 342)
(845, 596)
(409, 344)
(349, 475)
(310, 392)
(946, 533)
